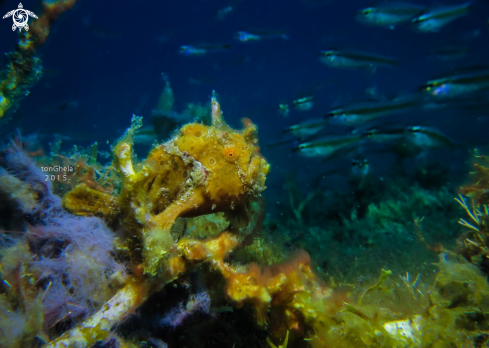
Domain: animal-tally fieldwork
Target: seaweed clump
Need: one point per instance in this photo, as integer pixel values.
(450, 312)
(478, 185)
(473, 244)
(348, 237)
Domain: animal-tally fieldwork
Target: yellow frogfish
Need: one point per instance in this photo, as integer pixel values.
(201, 170)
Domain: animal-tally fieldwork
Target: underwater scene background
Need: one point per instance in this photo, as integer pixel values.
(244, 173)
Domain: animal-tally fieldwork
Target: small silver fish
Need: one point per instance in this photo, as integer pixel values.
(410, 141)
(427, 138)
(304, 103)
(361, 112)
(192, 51)
(245, 36)
(307, 128)
(328, 146)
(390, 14)
(145, 135)
(438, 17)
(465, 81)
(355, 60)
(189, 50)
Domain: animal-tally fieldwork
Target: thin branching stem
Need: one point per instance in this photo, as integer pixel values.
(473, 213)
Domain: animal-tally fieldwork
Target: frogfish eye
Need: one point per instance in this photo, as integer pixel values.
(230, 154)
